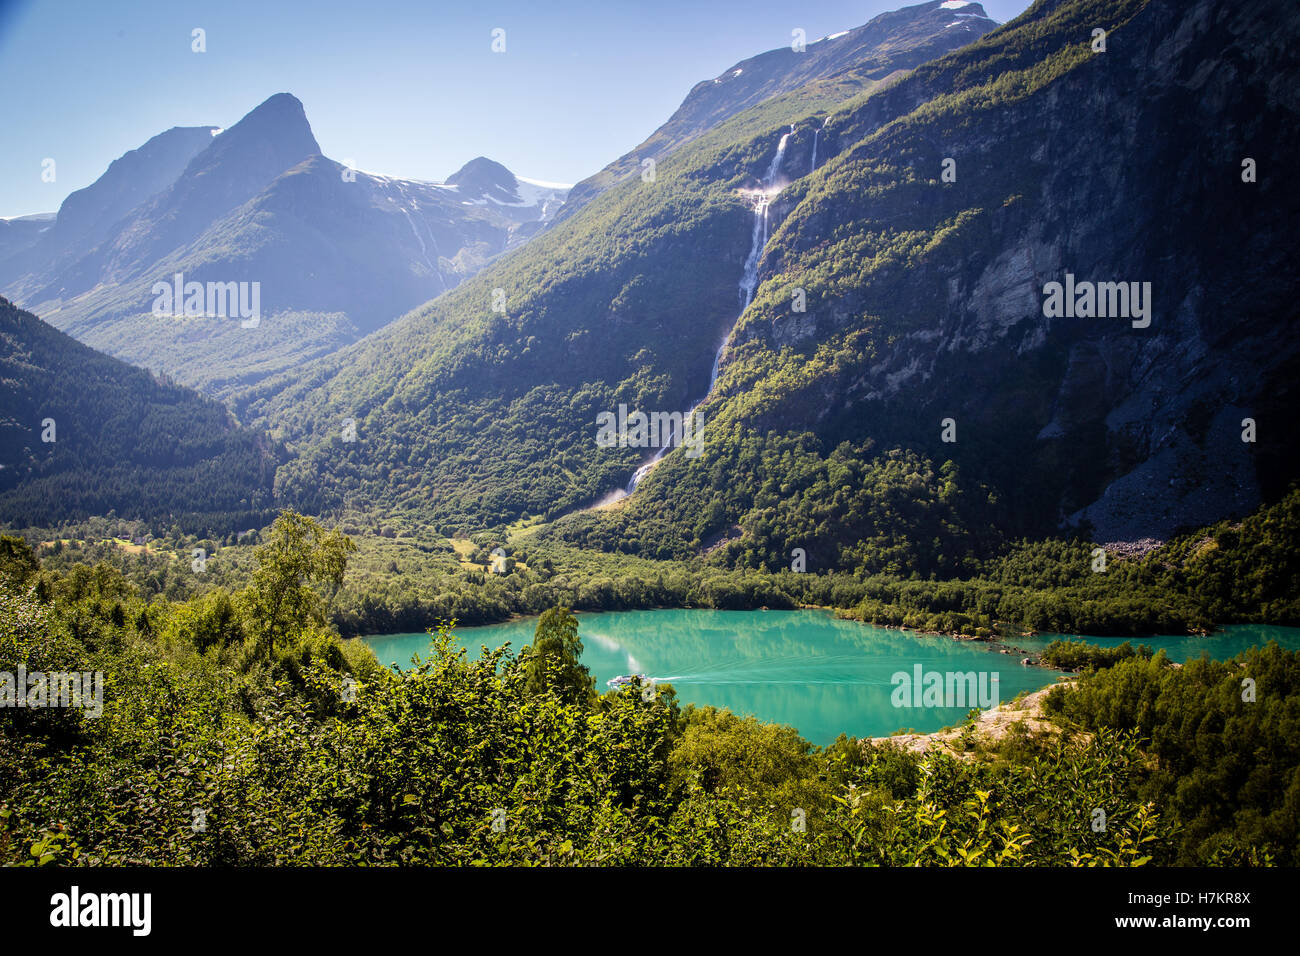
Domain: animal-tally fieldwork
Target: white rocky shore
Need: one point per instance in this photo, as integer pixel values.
(992, 725)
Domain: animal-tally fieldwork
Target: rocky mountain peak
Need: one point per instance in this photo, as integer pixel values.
(483, 178)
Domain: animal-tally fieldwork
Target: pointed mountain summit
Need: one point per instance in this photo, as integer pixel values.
(482, 178)
(239, 164)
(267, 141)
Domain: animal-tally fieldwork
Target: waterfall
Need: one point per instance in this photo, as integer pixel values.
(776, 160)
(816, 133)
(643, 471)
(420, 239)
(749, 277)
(748, 283)
(757, 242)
(405, 202)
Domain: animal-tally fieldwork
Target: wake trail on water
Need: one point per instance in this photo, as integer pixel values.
(723, 681)
(780, 671)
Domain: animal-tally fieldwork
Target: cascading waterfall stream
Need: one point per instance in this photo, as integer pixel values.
(406, 205)
(424, 252)
(748, 283)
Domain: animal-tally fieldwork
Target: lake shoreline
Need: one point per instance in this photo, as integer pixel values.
(993, 640)
(991, 726)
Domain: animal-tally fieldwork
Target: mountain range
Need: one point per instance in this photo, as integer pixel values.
(337, 252)
(845, 263)
(923, 301)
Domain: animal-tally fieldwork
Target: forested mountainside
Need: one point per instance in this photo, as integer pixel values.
(933, 300)
(336, 252)
(84, 434)
(924, 300)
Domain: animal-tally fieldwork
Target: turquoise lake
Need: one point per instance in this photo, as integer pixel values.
(807, 669)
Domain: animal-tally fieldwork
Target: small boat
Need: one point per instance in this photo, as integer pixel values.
(626, 680)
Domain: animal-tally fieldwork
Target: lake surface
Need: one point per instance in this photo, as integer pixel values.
(808, 669)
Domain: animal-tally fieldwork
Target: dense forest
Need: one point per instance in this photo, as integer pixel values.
(239, 729)
(83, 434)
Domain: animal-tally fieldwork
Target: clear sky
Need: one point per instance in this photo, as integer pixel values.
(401, 87)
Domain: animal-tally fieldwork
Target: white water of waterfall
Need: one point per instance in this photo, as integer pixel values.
(748, 283)
(407, 205)
(816, 133)
(420, 239)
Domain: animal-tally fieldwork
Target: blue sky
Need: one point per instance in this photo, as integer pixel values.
(401, 87)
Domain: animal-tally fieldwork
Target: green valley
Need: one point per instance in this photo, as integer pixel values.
(804, 354)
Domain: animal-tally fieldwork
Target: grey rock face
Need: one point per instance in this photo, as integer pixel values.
(1127, 168)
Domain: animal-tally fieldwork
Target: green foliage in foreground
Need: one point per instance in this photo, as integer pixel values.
(553, 659)
(1224, 741)
(215, 748)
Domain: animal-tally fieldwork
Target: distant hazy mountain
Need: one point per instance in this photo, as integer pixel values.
(883, 47)
(528, 202)
(87, 216)
(23, 232)
(335, 252)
